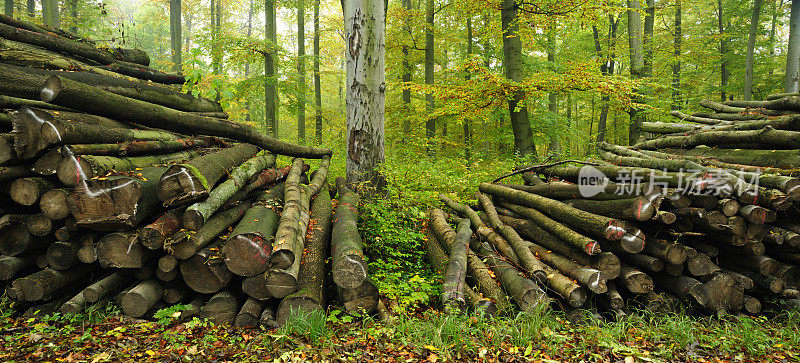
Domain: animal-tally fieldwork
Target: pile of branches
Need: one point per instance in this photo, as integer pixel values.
(117, 187)
(704, 217)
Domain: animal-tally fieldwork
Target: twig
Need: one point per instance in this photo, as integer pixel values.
(534, 167)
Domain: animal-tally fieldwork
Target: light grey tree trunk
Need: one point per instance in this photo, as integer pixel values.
(301, 71)
(175, 34)
(365, 32)
(751, 44)
(676, 66)
(793, 54)
(317, 81)
(636, 48)
(270, 80)
(430, 123)
(512, 62)
(406, 69)
(188, 29)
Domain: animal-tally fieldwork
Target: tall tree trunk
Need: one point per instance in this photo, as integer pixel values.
(554, 149)
(636, 48)
(512, 62)
(317, 85)
(9, 8)
(188, 22)
(301, 71)
(430, 123)
(723, 52)
(606, 68)
(247, 64)
(31, 9)
(365, 34)
(73, 14)
(467, 120)
(793, 54)
(175, 34)
(676, 67)
(406, 69)
(751, 44)
(50, 13)
(216, 55)
(775, 9)
(270, 79)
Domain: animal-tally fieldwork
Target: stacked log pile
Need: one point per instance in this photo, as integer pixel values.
(703, 215)
(117, 187)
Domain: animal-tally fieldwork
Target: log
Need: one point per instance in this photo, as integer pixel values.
(267, 320)
(74, 305)
(60, 91)
(455, 273)
(585, 244)
(673, 269)
(199, 212)
(133, 148)
(250, 313)
(598, 226)
(142, 297)
(613, 296)
(55, 43)
(45, 283)
(47, 163)
(247, 250)
(563, 190)
(193, 180)
(684, 287)
(790, 238)
(635, 209)
(670, 252)
(756, 214)
(72, 170)
(590, 278)
(256, 287)
(531, 265)
(287, 249)
(668, 128)
(154, 234)
(310, 295)
(53, 203)
(62, 255)
(701, 265)
(37, 224)
(107, 286)
(729, 207)
(136, 56)
(87, 253)
(17, 240)
(607, 263)
(634, 281)
(205, 271)
(166, 276)
(27, 191)
(143, 72)
(122, 250)
(762, 264)
(362, 299)
(184, 245)
(7, 154)
(167, 263)
(528, 296)
(751, 305)
(10, 266)
(9, 102)
(724, 293)
(784, 159)
(117, 202)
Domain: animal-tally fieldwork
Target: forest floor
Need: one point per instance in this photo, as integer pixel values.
(415, 330)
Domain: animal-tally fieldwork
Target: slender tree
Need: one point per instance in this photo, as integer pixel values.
(555, 145)
(751, 44)
(468, 120)
(216, 52)
(31, 8)
(301, 71)
(636, 48)
(774, 26)
(175, 33)
(406, 67)
(723, 52)
(514, 68)
(51, 15)
(247, 64)
(792, 76)
(676, 65)
(607, 67)
(430, 123)
(73, 14)
(270, 80)
(365, 34)
(9, 8)
(317, 85)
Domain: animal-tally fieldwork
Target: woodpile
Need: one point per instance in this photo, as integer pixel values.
(704, 214)
(117, 187)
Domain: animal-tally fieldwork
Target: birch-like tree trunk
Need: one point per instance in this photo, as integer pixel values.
(175, 34)
(676, 66)
(793, 55)
(751, 44)
(317, 81)
(636, 48)
(514, 67)
(365, 32)
(270, 91)
(430, 123)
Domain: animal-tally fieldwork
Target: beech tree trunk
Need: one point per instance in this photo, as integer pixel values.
(301, 71)
(348, 265)
(792, 73)
(317, 82)
(175, 37)
(184, 246)
(205, 271)
(751, 44)
(514, 69)
(247, 250)
(365, 32)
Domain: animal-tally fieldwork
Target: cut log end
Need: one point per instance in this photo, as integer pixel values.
(193, 220)
(72, 170)
(281, 284)
(247, 254)
(633, 241)
(51, 89)
(614, 230)
(179, 186)
(281, 259)
(350, 272)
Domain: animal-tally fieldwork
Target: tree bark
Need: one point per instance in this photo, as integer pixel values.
(585, 244)
(185, 245)
(154, 234)
(287, 249)
(751, 44)
(407, 71)
(250, 314)
(528, 296)
(122, 250)
(677, 100)
(74, 169)
(792, 73)
(723, 52)
(301, 71)
(195, 216)
(366, 92)
(310, 296)
(430, 120)
(247, 250)
(62, 91)
(270, 80)
(317, 81)
(205, 271)
(514, 69)
(193, 180)
(348, 265)
(45, 283)
(175, 34)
